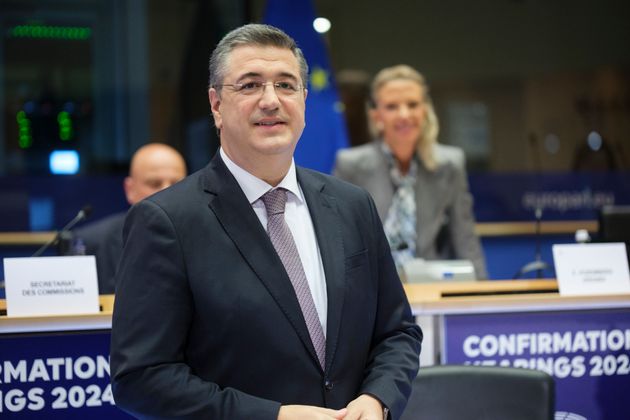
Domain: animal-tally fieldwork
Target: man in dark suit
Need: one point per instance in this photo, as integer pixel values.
(154, 167)
(215, 316)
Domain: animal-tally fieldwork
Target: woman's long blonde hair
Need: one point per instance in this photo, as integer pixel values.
(431, 127)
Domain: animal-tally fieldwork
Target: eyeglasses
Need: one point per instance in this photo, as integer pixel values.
(285, 89)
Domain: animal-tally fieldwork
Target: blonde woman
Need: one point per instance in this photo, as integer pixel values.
(419, 186)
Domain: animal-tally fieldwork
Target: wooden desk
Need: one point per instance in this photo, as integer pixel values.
(485, 229)
(60, 366)
(434, 304)
(430, 301)
(426, 299)
(501, 296)
(25, 238)
(529, 228)
(79, 322)
(582, 341)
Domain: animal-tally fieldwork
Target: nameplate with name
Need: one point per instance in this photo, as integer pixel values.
(51, 285)
(592, 269)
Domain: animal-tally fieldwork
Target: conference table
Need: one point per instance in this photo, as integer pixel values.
(58, 366)
(582, 341)
(431, 301)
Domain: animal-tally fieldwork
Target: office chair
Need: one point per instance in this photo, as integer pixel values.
(458, 392)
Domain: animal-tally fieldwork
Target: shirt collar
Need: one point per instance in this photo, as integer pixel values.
(254, 187)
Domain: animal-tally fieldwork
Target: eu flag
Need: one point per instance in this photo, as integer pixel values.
(325, 130)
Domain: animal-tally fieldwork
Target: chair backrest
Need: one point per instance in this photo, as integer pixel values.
(446, 392)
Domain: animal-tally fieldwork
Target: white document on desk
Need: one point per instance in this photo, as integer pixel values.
(592, 269)
(51, 285)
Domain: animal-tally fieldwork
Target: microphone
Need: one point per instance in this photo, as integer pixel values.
(83, 214)
(538, 264)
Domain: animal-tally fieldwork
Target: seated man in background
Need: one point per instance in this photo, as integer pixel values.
(419, 186)
(154, 166)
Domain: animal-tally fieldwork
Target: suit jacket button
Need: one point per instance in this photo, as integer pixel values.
(328, 385)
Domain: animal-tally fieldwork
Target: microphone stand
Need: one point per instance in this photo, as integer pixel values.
(538, 264)
(61, 235)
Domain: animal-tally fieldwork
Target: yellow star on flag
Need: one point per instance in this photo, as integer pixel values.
(319, 79)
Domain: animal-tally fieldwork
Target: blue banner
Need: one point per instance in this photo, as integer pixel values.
(41, 203)
(56, 376)
(49, 202)
(587, 353)
(325, 130)
(561, 196)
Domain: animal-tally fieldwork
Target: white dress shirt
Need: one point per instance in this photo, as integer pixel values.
(298, 218)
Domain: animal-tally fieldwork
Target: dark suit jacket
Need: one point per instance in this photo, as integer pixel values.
(207, 325)
(445, 222)
(103, 239)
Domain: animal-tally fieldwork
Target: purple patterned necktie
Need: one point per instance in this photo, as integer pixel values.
(283, 242)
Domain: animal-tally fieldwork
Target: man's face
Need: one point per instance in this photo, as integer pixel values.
(264, 124)
(156, 179)
(152, 171)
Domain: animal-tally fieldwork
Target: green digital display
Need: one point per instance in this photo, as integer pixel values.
(65, 125)
(76, 33)
(25, 139)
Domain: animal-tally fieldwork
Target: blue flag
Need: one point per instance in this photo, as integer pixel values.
(325, 130)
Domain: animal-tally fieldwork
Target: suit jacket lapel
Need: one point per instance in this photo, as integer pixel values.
(233, 211)
(323, 210)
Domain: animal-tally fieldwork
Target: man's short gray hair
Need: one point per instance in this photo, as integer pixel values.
(252, 34)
